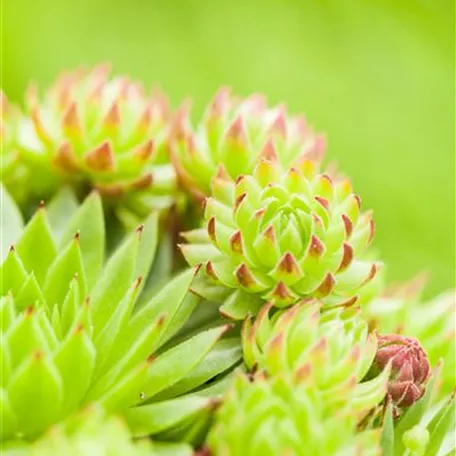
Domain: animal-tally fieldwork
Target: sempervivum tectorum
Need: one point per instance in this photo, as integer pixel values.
(98, 132)
(73, 333)
(281, 416)
(232, 135)
(333, 348)
(282, 235)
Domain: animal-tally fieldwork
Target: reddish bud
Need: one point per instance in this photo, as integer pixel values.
(410, 368)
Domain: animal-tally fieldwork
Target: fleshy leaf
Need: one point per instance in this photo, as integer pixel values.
(36, 411)
(173, 365)
(88, 221)
(157, 417)
(10, 222)
(36, 246)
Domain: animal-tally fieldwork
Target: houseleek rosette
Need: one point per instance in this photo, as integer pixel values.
(77, 331)
(281, 415)
(95, 132)
(331, 349)
(232, 135)
(281, 235)
(401, 310)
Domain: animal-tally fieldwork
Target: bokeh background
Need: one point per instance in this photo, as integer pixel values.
(377, 76)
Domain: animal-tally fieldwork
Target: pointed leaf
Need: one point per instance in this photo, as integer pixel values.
(89, 222)
(115, 326)
(154, 418)
(75, 360)
(36, 394)
(128, 391)
(173, 365)
(387, 437)
(114, 282)
(12, 274)
(166, 302)
(61, 208)
(224, 355)
(10, 222)
(61, 273)
(29, 294)
(147, 246)
(36, 246)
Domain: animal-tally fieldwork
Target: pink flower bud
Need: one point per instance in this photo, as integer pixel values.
(409, 368)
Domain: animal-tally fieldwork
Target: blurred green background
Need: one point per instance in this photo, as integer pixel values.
(376, 76)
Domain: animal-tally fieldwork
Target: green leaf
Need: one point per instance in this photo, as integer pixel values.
(12, 273)
(7, 312)
(75, 361)
(89, 222)
(387, 437)
(142, 347)
(147, 247)
(127, 392)
(36, 394)
(441, 426)
(66, 266)
(70, 306)
(173, 365)
(29, 294)
(161, 271)
(181, 316)
(222, 357)
(114, 282)
(167, 302)
(115, 326)
(153, 418)
(25, 336)
(9, 422)
(240, 304)
(61, 208)
(10, 222)
(36, 246)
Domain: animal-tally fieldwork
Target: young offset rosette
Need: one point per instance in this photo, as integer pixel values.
(410, 368)
(282, 235)
(96, 132)
(281, 416)
(334, 344)
(233, 134)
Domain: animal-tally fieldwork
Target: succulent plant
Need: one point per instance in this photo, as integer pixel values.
(332, 348)
(92, 432)
(427, 428)
(281, 415)
(98, 133)
(77, 331)
(232, 135)
(410, 368)
(400, 310)
(282, 236)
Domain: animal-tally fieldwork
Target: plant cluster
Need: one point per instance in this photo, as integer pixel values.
(267, 329)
